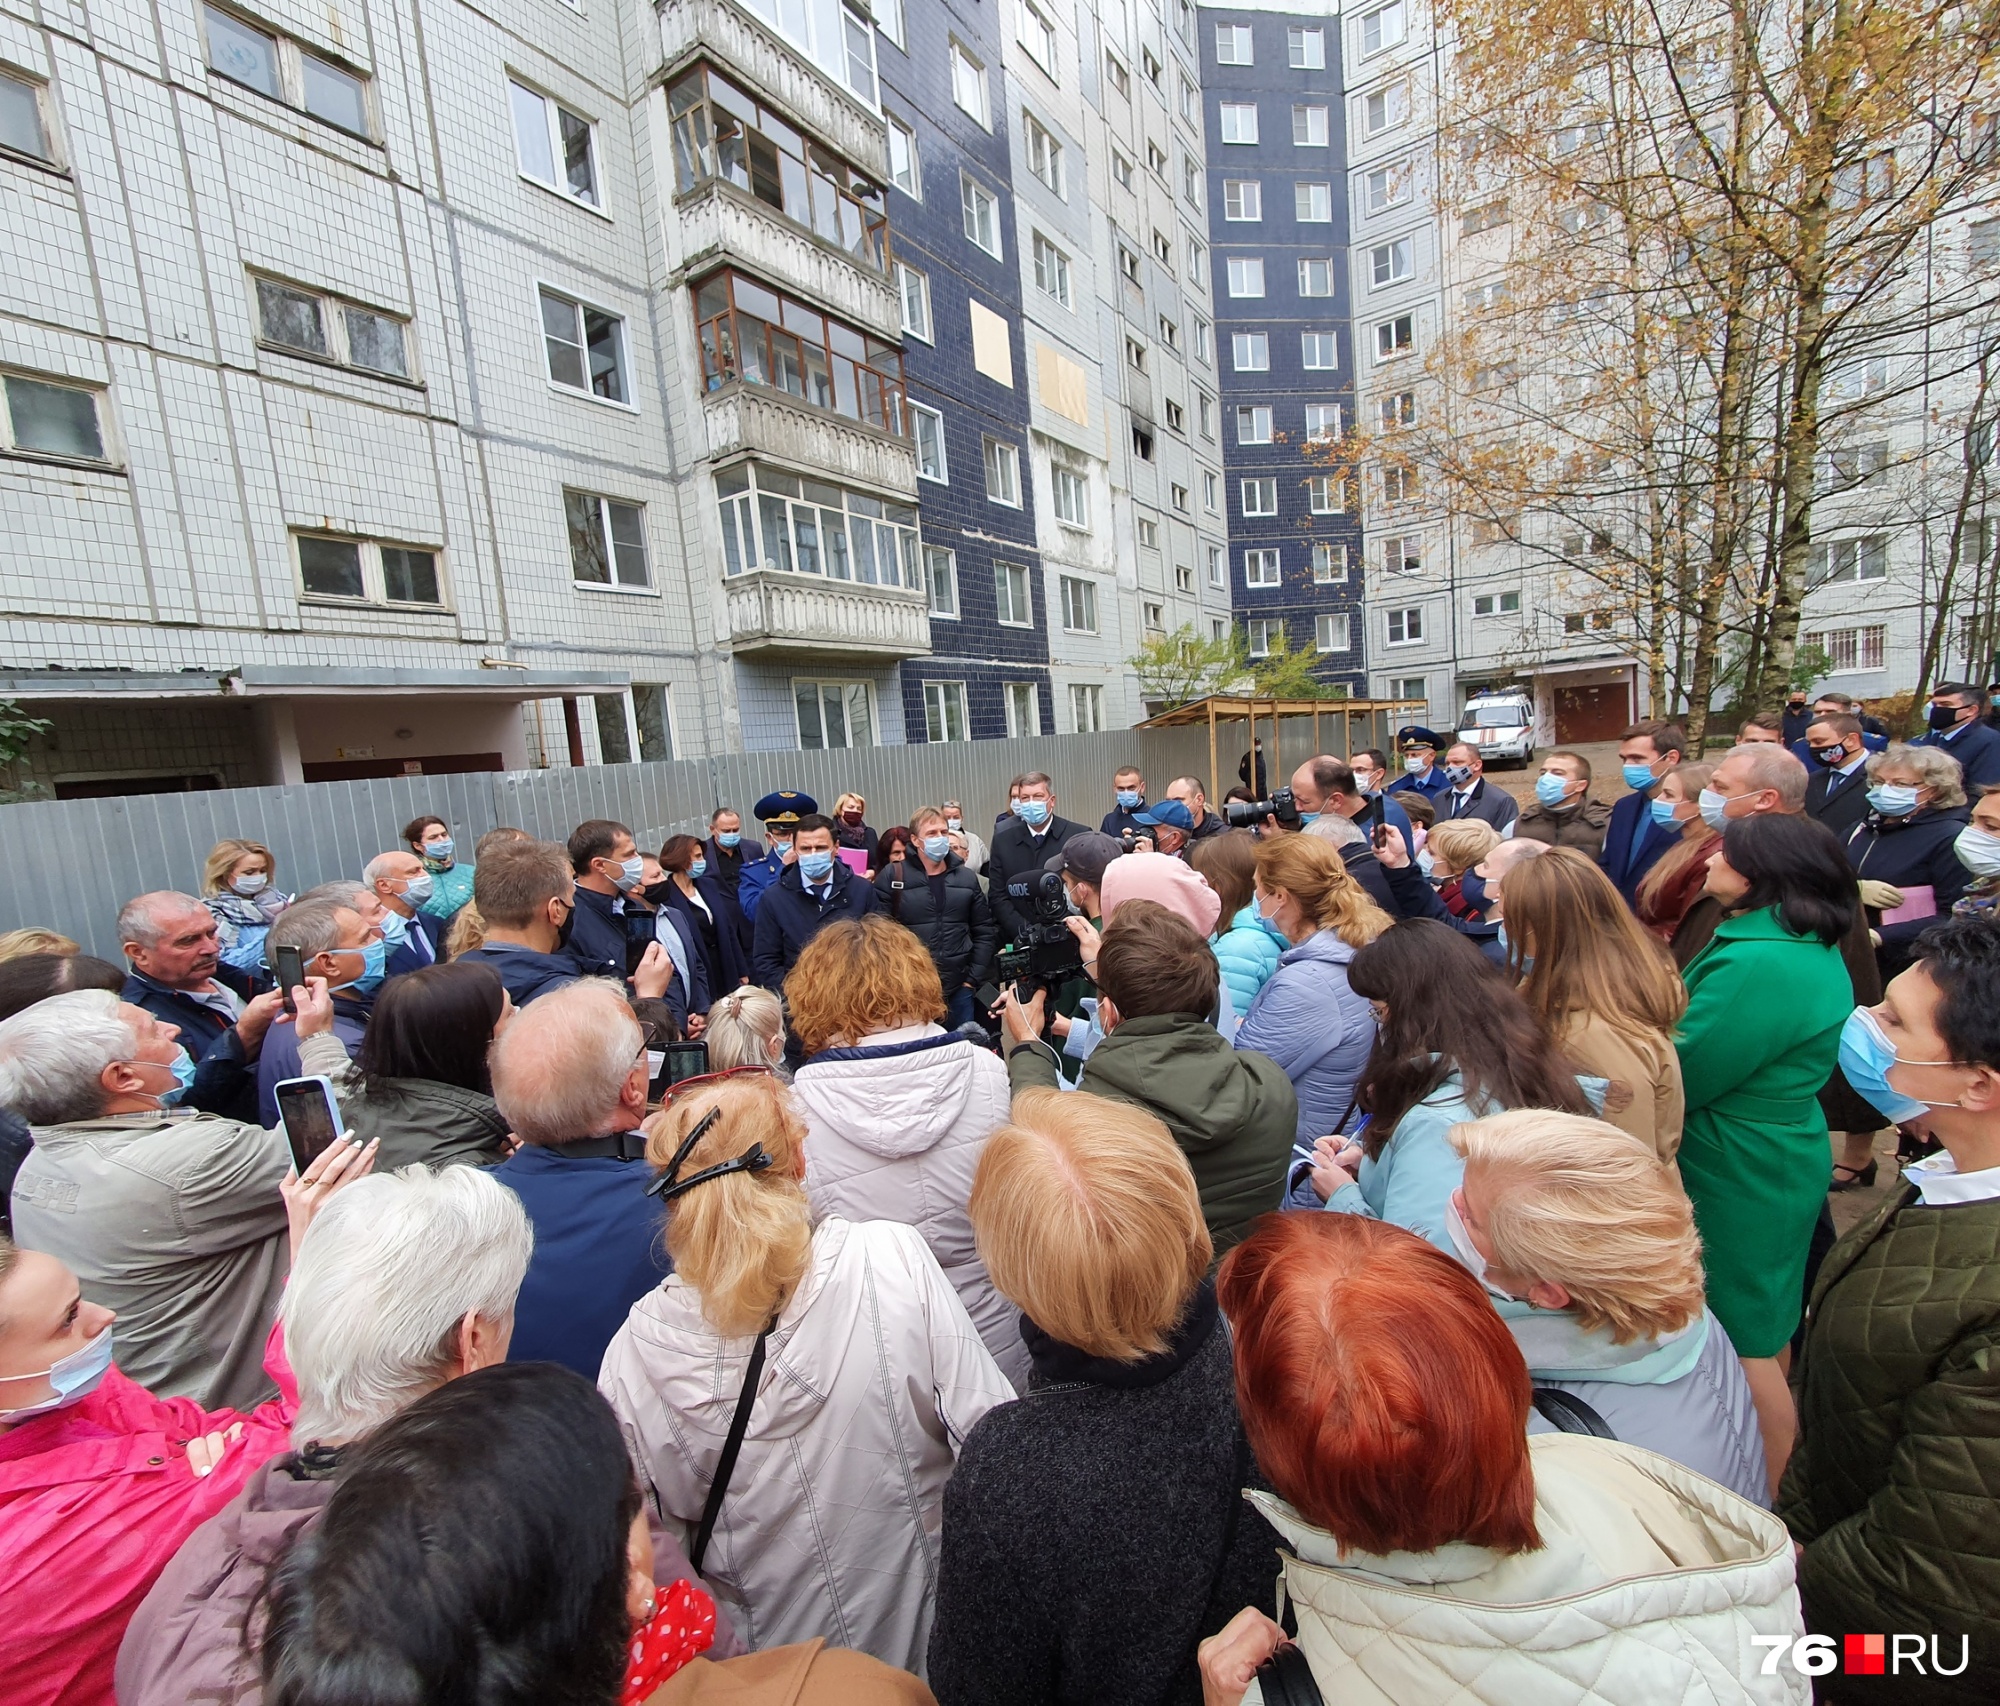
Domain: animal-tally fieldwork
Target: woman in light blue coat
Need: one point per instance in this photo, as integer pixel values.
(1455, 1042)
(1246, 948)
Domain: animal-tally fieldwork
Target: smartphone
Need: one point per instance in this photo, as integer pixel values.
(310, 1116)
(682, 1061)
(988, 996)
(289, 965)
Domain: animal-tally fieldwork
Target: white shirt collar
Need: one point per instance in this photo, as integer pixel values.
(1939, 1181)
(1854, 763)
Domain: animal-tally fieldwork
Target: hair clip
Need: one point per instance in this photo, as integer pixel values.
(701, 1126)
(752, 1160)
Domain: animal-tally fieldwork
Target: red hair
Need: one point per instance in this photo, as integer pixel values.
(1382, 1394)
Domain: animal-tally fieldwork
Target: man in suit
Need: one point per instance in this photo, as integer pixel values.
(1022, 846)
(729, 850)
(415, 937)
(1958, 726)
(1874, 737)
(1469, 796)
(1837, 793)
(816, 888)
(608, 938)
(1421, 772)
(1633, 839)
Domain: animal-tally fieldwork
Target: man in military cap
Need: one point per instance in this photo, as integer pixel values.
(779, 812)
(1421, 773)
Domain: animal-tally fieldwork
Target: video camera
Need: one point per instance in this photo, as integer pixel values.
(1049, 954)
(1248, 814)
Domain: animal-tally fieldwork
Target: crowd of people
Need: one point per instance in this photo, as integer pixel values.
(1367, 1239)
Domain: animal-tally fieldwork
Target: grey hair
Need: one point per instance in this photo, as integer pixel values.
(311, 926)
(1331, 826)
(139, 917)
(341, 891)
(53, 1055)
(378, 869)
(1935, 768)
(1773, 766)
(560, 1066)
(387, 1271)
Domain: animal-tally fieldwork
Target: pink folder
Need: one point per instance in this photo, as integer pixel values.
(856, 860)
(1919, 901)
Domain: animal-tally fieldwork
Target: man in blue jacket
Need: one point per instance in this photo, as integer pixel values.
(1634, 839)
(1421, 772)
(779, 812)
(815, 888)
(1128, 793)
(1958, 726)
(526, 895)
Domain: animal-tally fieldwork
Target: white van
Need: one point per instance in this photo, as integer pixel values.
(1501, 725)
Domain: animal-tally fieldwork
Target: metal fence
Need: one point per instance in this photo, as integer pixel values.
(70, 864)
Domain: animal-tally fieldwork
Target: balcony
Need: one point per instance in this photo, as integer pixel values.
(720, 222)
(781, 73)
(775, 614)
(769, 423)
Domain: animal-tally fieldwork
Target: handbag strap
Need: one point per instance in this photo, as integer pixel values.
(1569, 1414)
(725, 1465)
(1287, 1679)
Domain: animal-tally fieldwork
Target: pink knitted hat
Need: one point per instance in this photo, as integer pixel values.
(1161, 877)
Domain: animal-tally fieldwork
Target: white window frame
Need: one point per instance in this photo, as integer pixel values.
(1394, 100)
(43, 151)
(1326, 494)
(889, 20)
(1333, 631)
(1305, 47)
(1393, 262)
(1315, 269)
(1079, 604)
(1507, 603)
(1383, 28)
(969, 92)
(944, 704)
(1403, 554)
(1253, 344)
(1025, 600)
(1404, 626)
(1260, 631)
(1261, 487)
(1211, 491)
(335, 330)
(1231, 124)
(1051, 267)
(1329, 426)
(1242, 201)
(609, 542)
(1329, 565)
(941, 572)
(1312, 345)
(108, 455)
(1242, 49)
(1258, 417)
(1314, 117)
(1395, 410)
(924, 412)
(1312, 201)
(1044, 154)
(1263, 566)
(552, 113)
(1002, 462)
(545, 292)
(912, 285)
(1386, 187)
(972, 194)
(1036, 33)
(289, 62)
(1245, 277)
(374, 583)
(1086, 708)
(1070, 493)
(905, 166)
(1015, 697)
(1395, 347)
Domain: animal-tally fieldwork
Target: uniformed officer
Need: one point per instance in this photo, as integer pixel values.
(1421, 772)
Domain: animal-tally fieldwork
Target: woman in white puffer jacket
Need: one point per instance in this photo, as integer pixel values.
(863, 1369)
(898, 1109)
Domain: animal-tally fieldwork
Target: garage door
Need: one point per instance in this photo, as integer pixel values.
(1592, 713)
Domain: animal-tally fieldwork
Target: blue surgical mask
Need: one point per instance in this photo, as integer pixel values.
(1551, 788)
(815, 867)
(936, 847)
(1467, 1251)
(74, 1378)
(1506, 947)
(183, 1065)
(779, 848)
(1458, 774)
(249, 887)
(1426, 862)
(374, 960)
(697, 867)
(1309, 817)
(1893, 799)
(1866, 1054)
(1663, 813)
(728, 837)
(1714, 809)
(630, 871)
(1638, 777)
(395, 928)
(1130, 799)
(419, 888)
(1263, 917)
(439, 850)
(1033, 813)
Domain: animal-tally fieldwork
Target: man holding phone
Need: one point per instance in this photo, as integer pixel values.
(333, 943)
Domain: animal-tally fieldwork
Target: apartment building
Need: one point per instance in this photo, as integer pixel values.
(1283, 329)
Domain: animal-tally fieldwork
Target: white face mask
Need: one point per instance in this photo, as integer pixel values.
(1978, 851)
(1468, 1252)
(74, 1378)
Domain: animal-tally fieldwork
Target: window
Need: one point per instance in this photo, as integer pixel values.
(1128, 262)
(889, 20)
(1482, 297)
(1864, 181)
(303, 322)
(1239, 121)
(1149, 533)
(1983, 243)
(982, 214)
(941, 580)
(1156, 159)
(280, 68)
(1319, 352)
(833, 715)
(1051, 270)
(1176, 418)
(1150, 66)
(1170, 332)
(21, 127)
(755, 335)
(1045, 154)
(1384, 109)
(1856, 465)
(968, 85)
(1079, 605)
(1119, 78)
(1385, 187)
(1142, 442)
(1403, 554)
(1389, 263)
(1218, 628)
(1322, 420)
(1232, 44)
(1003, 472)
(1242, 199)
(1306, 48)
(1034, 31)
(1308, 127)
(1010, 595)
(1316, 278)
(1205, 411)
(1329, 566)
(1153, 618)
(1197, 264)
(1399, 483)
(1854, 560)
(1086, 709)
(585, 347)
(1406, 627)
(1121, 169)
(1184, 19)
(1398, 409)
(1190, 102)
(927, 439)
(944, 711)
(1395, 337)
(1260, 497)
(1265, 634)
(1200, 339)
(1211, 491)
(1489, 216)
(1381, 28)
(1163, 249)
(913, 289)
(1218, 574)
(803, 526)
(1072, 497)
(552, 145)
(1135, 355)
(1326, 494)
(1246, 275)
(1183, 578)
(1260, 568)
(1312, 204)
(1850, 648)
(1178, 497)
(53, 419)
(1023, 706)
(367, 570)
(1250, 352)
(1330, 632)
(607, 541)
(1253, 423)
(904, 172)
(1497, 604)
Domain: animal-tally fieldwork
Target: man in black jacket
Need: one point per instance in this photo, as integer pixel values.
(526, 895)
(814, 888)
(728, 848)
(1022, 847)
(607, 938)
(937, 897)
(1837, 791)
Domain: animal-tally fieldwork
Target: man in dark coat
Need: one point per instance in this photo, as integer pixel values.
(814, 888)
(937, 897)
(1633, 842)
(1837, 791)
(1022, 845)
(526, 895)
(607, 938)
(1792, 725)
(1129, 794)
(728, 849)
(1958, 726)
(1470, 795)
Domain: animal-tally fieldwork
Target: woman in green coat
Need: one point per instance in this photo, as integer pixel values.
(1766, 1001)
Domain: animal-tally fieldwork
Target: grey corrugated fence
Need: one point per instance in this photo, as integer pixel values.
(70, 864)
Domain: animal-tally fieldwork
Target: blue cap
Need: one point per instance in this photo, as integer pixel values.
(1168, 814)
(1417, 735)
(784, 806)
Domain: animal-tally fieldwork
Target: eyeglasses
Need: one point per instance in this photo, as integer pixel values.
(686, 1084)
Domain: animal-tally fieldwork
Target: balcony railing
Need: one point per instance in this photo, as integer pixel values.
(772, 611)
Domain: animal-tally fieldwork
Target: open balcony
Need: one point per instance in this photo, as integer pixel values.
(774, 613)
(718, 222)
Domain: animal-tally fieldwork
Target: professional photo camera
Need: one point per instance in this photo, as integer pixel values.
(1248, 814)
(1049, 955)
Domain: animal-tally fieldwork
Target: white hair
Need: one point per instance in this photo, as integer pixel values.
(139, 918)
(380, 869)
(53, 1056)
(384, 1276)
(1331, 826)
(1771, 766)
(561, 1064)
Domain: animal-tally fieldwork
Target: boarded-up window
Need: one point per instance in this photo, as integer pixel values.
(992, 346)
(1064, 386)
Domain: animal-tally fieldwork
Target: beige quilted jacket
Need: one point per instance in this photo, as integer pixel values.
(1647, 1590)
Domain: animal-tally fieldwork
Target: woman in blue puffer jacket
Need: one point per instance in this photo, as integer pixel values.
(1246, 947)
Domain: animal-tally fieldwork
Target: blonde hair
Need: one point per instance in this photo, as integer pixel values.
(840, 805)
(1590, 1208)
(743, 1241)
(225, 856)
(35, 940)
(466, 932)
(1312, 872)
(1933, 767)
(1592, 958)
(1462, 843)
(1086, 1215)
(858, 976)
(742, 1026)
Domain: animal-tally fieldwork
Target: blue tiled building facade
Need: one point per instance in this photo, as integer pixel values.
(1278, 224)
(951, 213)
